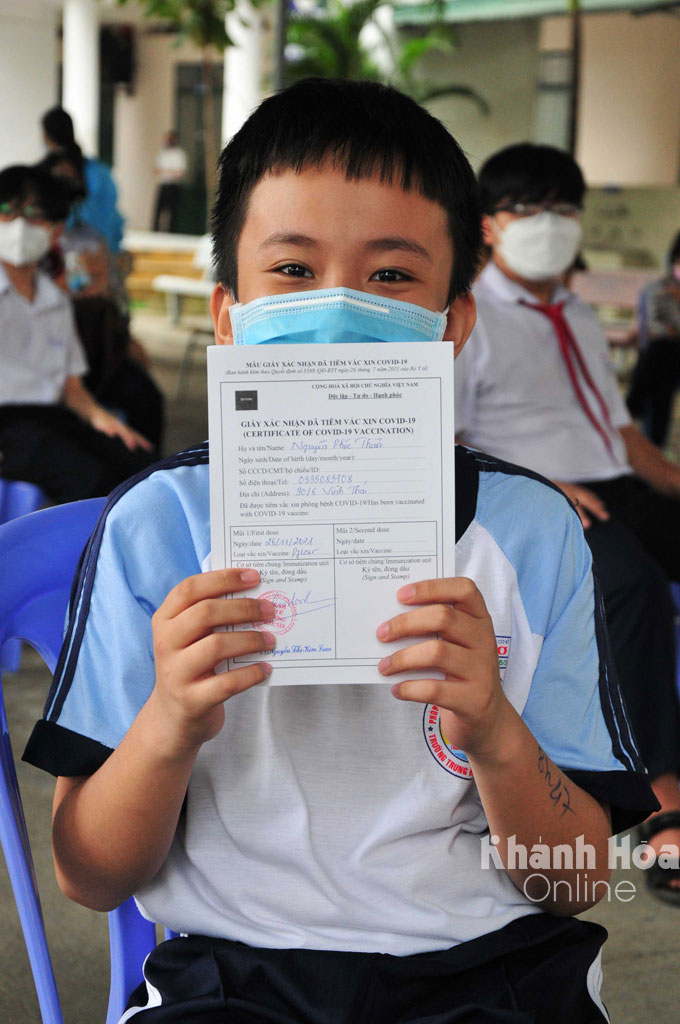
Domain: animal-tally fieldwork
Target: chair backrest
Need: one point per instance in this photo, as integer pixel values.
(38, 557)
(17, 498)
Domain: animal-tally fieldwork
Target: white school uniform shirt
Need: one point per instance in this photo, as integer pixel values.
(39, 346)
(171, 165)
(514, 398)
(336, 817)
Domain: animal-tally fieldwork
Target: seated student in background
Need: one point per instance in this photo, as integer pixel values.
(535, 386)
(80, 263)
(656, 376)
(83, 262)
(52, 430)
(326, 867)
(118, 374)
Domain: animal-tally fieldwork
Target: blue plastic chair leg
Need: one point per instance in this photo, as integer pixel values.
(10, 656)
(131, 937)
(15, 845)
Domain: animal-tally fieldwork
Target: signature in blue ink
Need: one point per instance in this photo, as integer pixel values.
(306, 603)
(299, 649)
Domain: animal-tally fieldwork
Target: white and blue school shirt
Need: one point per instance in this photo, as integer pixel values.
(514, 397)
(335, 816)
(39, 345)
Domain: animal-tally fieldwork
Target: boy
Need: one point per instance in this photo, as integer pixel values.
(53, 432)
(324, 864)
(535, 385)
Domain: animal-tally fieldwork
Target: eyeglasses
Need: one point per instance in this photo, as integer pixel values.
(531, 209)
(28, 211)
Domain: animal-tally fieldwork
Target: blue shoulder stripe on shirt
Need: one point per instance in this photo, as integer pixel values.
(611, 700)
(83, 582)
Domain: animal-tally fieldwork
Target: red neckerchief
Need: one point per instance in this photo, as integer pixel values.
(570, 353)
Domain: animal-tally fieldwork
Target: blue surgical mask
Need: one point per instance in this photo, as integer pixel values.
(332, 315)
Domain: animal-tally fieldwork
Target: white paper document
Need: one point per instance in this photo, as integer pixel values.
(332, 474)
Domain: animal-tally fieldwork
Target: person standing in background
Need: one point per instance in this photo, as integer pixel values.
(98, 207)
(170, 170)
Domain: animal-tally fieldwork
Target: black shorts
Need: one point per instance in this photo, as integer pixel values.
(537, 970)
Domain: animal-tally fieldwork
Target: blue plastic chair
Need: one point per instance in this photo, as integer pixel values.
(38, 554)
(17, 498)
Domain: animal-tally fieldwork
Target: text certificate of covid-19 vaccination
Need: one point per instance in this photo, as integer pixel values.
(332, 474)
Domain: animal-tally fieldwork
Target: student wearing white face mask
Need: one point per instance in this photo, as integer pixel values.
(52, 431)
(535, 387)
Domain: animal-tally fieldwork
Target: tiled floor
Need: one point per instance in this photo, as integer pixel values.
(642, 981)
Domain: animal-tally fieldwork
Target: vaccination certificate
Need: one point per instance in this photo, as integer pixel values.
(332, 474)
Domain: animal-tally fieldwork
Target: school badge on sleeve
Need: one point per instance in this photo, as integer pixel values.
(452, 760)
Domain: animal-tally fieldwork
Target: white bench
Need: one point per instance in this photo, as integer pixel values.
(175, 288)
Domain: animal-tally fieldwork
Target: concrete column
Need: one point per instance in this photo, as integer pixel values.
(242, 68)
(28, 75)
(374, 36)
(80, 94)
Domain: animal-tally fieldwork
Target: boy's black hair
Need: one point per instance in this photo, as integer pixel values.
(58, 126)
(529, 173)
(367, 128)
(21, 183)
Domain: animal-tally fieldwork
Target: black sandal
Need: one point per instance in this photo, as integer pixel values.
(658, 877)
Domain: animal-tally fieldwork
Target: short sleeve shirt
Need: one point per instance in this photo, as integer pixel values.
(514, 397)
(99, 207)
(660, 307)
(171, 164)
(38, 342)
(334, 816)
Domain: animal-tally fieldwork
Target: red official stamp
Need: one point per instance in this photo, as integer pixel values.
(285, 616)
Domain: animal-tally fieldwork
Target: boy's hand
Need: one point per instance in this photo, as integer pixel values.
(462, 644)
(189, 695)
